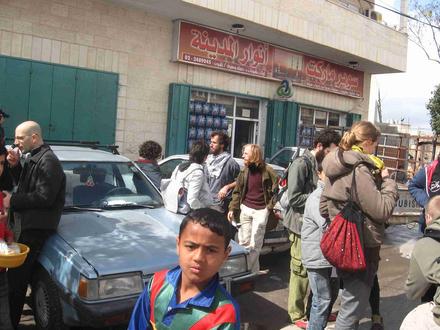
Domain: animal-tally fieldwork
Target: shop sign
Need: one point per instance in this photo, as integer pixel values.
(207, 47)
(219, 50)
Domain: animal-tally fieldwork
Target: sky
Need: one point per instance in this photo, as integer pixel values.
(404, 95)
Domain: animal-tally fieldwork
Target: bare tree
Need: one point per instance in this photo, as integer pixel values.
(424, 30)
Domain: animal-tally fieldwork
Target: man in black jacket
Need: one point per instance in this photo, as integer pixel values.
(35, 207)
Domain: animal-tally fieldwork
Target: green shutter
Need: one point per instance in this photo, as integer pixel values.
(290, 124)
(281, 128)
(274, 134)
(15, 95)
(40, 95)
(106, 103)
(95, 102)
(63, 103)
(178, 117)
(67, 102)
(352, 118)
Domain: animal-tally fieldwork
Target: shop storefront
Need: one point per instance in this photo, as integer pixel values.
(273, 122)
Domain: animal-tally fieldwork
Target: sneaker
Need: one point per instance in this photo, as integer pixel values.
(302, 324)
(332, 317)
(376, 322)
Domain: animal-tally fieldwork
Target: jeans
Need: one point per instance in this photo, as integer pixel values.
(356, 292)
(319, 281)
(251, 233)
(5, 320)
(20, 277)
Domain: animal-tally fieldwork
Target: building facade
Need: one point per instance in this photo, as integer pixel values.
(270, 72)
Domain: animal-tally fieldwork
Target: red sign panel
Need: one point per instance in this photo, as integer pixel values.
(219, 50)
(200, 45)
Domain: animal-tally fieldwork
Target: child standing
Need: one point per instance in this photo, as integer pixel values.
(190, 295)
(319, 270)
(7, 236)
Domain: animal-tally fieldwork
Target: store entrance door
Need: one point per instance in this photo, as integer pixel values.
(245, 133)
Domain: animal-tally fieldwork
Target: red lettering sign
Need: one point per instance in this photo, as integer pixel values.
(203, 46)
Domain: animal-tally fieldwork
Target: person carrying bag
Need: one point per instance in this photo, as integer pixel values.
(342, 244)
(375, 196)
(188, 188)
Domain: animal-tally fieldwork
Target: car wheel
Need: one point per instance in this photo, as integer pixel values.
(46, 302)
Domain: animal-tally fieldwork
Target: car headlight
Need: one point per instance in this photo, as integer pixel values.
(110, 287)
(233, 266)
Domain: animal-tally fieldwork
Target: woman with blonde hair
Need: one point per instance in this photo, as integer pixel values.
(253, 199)
(376, 196)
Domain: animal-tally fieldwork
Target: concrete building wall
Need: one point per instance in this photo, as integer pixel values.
(323, 22)
(136, 44)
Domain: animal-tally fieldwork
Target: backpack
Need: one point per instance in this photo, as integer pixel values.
(282, 195)
(174, 192)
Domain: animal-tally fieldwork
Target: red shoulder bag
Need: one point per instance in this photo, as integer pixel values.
(342, 243)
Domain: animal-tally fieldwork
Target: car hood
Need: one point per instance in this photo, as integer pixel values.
(121, 241)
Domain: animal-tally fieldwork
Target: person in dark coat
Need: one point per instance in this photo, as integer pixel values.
(35, 207)
(149, 153)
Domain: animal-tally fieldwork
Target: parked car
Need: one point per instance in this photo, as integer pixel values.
(113, 235)
(285, 155)
(276, 238)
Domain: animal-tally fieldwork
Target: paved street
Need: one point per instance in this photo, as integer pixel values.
(265, 308)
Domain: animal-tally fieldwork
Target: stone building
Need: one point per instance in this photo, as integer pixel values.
(270, 72)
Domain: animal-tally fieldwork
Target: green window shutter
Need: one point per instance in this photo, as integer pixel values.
(178, 118)
(63, 103)
(95, 102)
(274, 134)
(40, 95)
(282, 122)
(105, 106)
(51, 95)
(15, 94)
(84, 118)
(352, 118)
(291, 124)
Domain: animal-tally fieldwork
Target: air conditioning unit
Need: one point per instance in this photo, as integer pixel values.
(377, 16)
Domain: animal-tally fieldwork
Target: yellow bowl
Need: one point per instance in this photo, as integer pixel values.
(14, 260)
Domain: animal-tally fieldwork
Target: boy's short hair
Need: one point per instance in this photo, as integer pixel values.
(326, 137)
(211, 219)
(433, 207)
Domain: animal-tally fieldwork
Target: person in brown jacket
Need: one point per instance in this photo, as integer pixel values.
(253, 198)
(376, 197)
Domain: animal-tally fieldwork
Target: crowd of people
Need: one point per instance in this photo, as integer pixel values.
(219, 198)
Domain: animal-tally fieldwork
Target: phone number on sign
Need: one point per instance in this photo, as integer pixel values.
(196, 59)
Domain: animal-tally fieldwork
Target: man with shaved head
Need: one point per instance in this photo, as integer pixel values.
(35, 207)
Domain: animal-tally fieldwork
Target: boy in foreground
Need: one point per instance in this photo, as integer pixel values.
(190, 296)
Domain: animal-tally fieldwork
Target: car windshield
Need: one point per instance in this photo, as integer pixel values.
(107, 185)
(283, 157)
